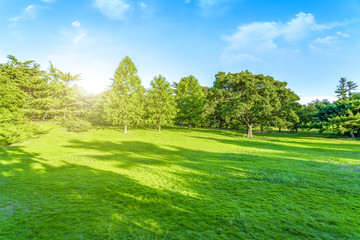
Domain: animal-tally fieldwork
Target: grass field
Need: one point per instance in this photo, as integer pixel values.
(179, 184)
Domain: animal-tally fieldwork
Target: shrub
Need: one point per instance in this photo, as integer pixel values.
(74, 124)
(15, 133)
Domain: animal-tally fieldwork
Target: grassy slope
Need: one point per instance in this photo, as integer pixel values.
(179, 184)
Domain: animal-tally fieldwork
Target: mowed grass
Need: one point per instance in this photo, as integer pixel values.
(179, 184)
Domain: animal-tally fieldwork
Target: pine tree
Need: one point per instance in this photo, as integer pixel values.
(161, 106)
(124, 104)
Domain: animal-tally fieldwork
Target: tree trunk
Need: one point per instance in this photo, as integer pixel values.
(279, 129)
(159, 128)
(125, 128)
(249, 131)
(189, 126)
(352, 134)
(296, 130)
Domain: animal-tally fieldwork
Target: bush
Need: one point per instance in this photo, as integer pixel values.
(74, 124)
(15, 133)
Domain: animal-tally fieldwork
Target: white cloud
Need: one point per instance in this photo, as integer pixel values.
(261, 37)
(114, 9)
(187, 1)
(142, 5)
(343, 34)
(76, 24)
(327, 41)
(28, 13)
(258, 36)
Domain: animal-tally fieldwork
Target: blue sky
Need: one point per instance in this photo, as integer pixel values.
(310, 44)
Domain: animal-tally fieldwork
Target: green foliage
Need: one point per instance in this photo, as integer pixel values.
(75, 124)
(345, 89)
(161, 108)
(14, 133)
(255, 100)
(124, 103)
(190, 101)
(343, 116)
(307, 116)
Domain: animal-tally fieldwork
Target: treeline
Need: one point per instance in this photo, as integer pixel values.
(236, 100)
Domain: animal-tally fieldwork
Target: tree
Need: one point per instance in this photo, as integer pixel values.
(350, 87)
(190, 101)
(32, 81)
(124, 104)
(250, 99)
(345, 89)
(161, 102)
(284, 113)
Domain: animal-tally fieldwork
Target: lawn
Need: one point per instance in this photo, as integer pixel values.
(179, 184)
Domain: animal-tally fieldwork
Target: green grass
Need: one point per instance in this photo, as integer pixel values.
(179, 184)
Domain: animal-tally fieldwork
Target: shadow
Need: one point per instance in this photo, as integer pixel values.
(141, 190)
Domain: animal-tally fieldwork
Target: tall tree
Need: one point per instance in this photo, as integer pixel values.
(190, 101)
(345, 89)
(341, 89)
(124, 104)
(284, 113)
(250, 99)
(161, 102)
(351, 86)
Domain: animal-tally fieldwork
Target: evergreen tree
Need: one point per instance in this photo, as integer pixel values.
(342, 89)
(190, 101)
(124, 104)
(161, 106)
(351, 86)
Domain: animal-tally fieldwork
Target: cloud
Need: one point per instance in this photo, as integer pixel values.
(28, 13)
(76, 24)
(113, 9)
(261, 36)
(328, 41)
(76, 34)
(142, 5)
(187, 1)
(343, 34)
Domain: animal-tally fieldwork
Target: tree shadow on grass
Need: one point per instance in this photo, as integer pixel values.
(139, 190)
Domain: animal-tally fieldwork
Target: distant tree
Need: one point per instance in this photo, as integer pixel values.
(306, 114)
(342, 116)
(250, 99)
(341, 89)
(284, 112)
(214, 108)
(124, 104)
(161, 106)
(345, 89)
(190, 101)
(351, 86)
